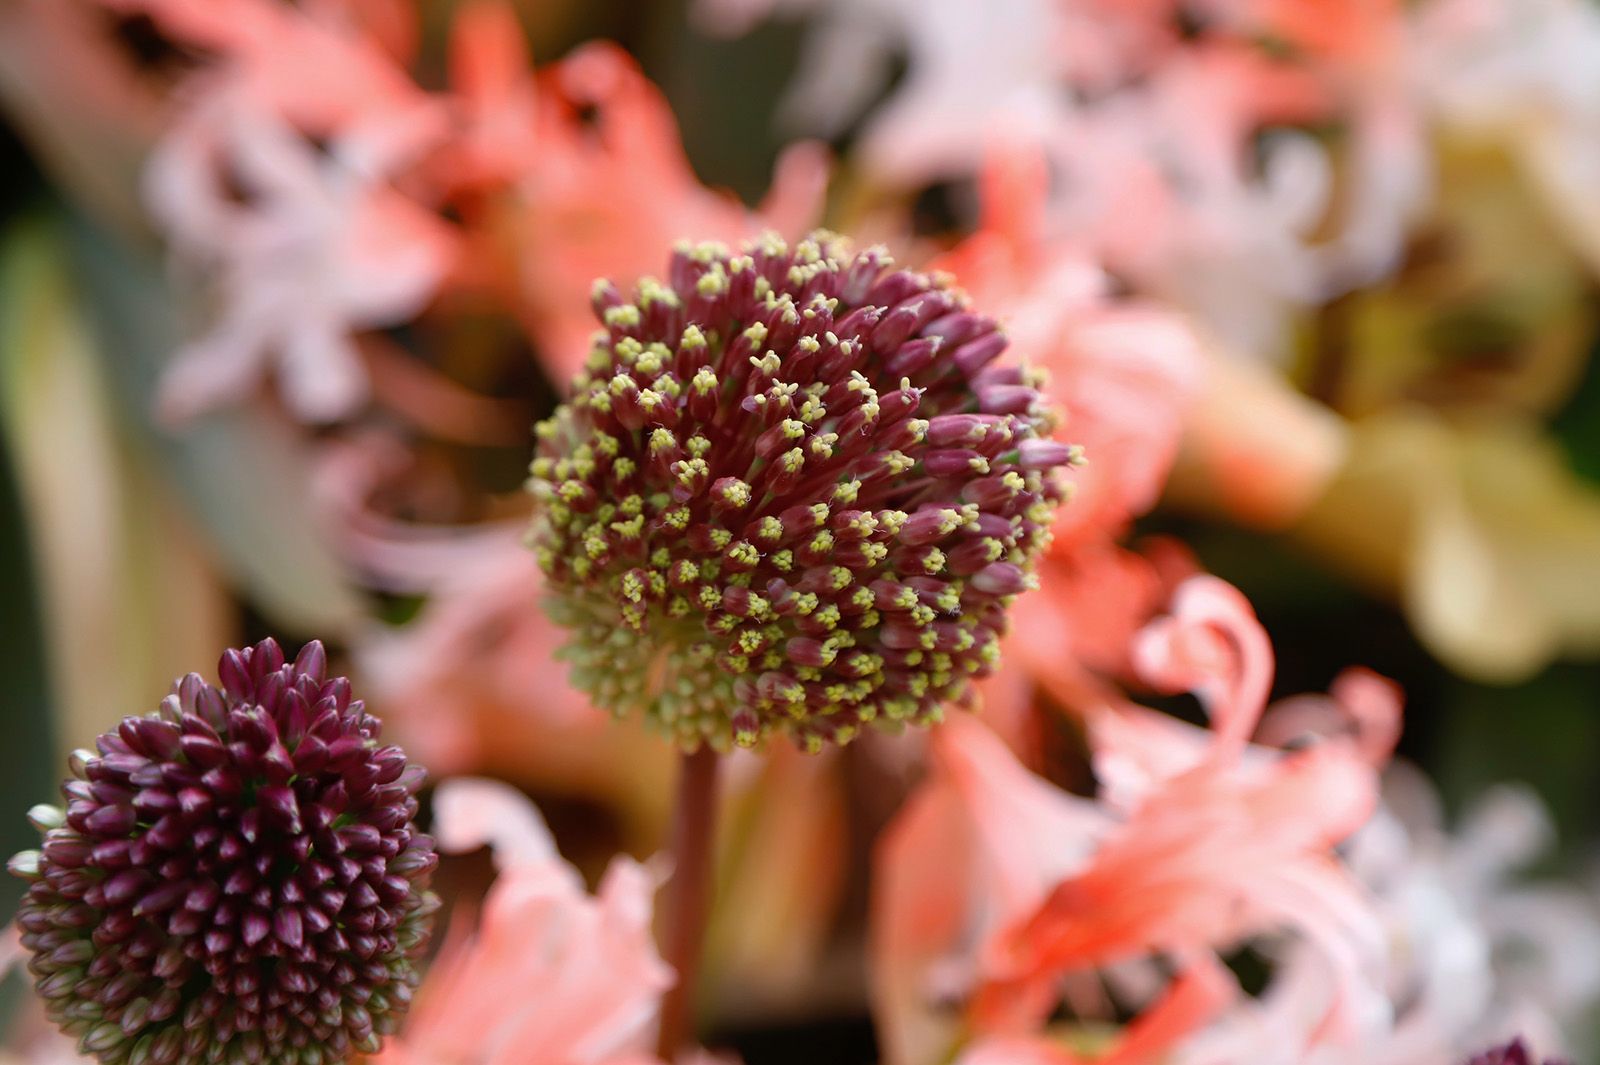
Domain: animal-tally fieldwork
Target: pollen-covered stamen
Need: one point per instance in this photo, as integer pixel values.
(832, 492)
(236, 878)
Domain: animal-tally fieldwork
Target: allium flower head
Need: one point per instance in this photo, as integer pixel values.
(236, 878)
(791, 492)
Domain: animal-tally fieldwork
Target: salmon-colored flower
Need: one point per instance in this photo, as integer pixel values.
(311, 65)
(1125, 372)
(1200, 842)
(309, 170)
(497, 142)
(1011, 835)
(575, 171)
(1233, 842)
(551, 974)
(614, 186)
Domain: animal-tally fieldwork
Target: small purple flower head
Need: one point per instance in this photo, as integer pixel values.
(235, 878)
(1513, 1053)
(794, 492)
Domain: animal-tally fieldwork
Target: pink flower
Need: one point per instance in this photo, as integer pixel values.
(975, 849)
(1201, 842)
(559, 177)
(575, 171)
(613, 187)
(466, 681)
(551, 974)
(1125, 372)
(301, 248)
(311, 65)
(498, 141)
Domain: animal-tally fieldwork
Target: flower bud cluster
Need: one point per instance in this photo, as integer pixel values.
(793, 491)
(235, 879)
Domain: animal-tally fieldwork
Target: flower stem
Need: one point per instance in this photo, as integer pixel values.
(689, 894)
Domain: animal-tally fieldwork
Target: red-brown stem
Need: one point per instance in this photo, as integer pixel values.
(694, 822)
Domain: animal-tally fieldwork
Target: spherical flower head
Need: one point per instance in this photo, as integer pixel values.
(792, 492)
(235, 878)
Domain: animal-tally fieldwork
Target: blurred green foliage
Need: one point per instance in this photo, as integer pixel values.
(26, 762)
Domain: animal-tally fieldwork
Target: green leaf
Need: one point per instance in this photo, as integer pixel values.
(26, 759)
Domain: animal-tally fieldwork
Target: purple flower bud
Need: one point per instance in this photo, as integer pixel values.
(953, 462)
(1006, 399)
(1043, 454)
(958, 328)
(167, 922)
(749, 570)
(913, 357)
(929, 525)
(954, 430)
(974, 355)
(1000, 578)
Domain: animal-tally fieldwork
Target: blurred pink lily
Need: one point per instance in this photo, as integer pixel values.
(573, 171)
(327, 243)
(1126, 373)
(495, 96)
(1154, 133)
(315, 66)
(612, 184)
(304, 249)
(551, 974)
(472, 683)
(1201, 842)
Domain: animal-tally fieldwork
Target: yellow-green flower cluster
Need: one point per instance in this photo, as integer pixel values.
(792, 492)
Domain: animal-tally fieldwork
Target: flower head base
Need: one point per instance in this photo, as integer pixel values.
(791, 492)
(235, 878)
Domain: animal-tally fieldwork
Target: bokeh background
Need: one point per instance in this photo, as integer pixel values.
(1377, 219)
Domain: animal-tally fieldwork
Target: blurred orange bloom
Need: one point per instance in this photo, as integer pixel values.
(576, 172)
(312, 64)
(1199, 842)
(551, 974)
(1126, 372)
(612, 185)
